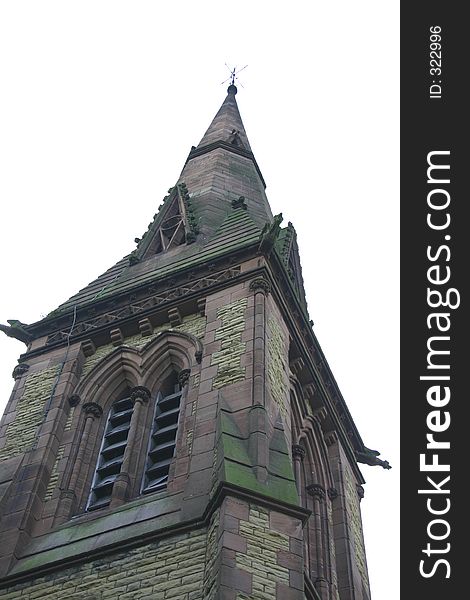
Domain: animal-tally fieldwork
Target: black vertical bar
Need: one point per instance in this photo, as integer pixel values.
(434, 253)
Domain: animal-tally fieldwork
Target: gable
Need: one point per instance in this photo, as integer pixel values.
(172, 226)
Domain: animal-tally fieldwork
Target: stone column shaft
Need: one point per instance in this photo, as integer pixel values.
(68, 496)
(258, 443)
(121, 487)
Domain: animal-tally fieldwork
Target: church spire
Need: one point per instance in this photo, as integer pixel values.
(227, 125)
(221, 168)
(198, 219)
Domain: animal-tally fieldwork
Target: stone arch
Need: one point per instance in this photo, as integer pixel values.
(122, 366)
(170, 350)
(116, 374)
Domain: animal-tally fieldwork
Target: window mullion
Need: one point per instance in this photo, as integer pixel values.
(139, 396)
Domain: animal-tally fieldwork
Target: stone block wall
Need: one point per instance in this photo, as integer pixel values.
(259, 553)
(236, 413)
(172, 568)
(27, 413)
(262, 550)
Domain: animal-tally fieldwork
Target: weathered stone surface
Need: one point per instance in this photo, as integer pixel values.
(217, 318)
(21, 432)
(228, 358)
(173, 567)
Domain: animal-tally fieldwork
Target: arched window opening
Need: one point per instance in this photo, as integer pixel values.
(111, 453)
(134, 448)
(162, 441)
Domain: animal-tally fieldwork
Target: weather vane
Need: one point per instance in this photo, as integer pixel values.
(233, 75)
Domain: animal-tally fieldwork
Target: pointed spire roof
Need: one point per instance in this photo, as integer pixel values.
(219, 176)
(227, 125)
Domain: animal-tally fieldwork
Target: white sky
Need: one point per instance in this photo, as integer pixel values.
(100, 104)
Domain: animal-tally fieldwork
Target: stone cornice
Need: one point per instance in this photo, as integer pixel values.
(119, 311)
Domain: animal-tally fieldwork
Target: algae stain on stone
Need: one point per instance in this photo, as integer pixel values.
(22, 431)
(193, 324)
(261, 555)
(228, 358)
(277, 365)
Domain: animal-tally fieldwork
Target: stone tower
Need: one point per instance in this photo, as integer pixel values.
(175, 431)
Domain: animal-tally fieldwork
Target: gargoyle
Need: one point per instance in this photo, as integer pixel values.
(269, 234)
(16, 329)
(370, 457)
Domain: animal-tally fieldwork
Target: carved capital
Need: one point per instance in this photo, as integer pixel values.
(260, 284)
(316, 490)
(74, 400)
(298, 451)
(19, 371)
(92, 409)
(332, 493)
(183, 377)
(140, 394)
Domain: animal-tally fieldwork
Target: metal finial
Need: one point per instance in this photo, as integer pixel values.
(233, 75)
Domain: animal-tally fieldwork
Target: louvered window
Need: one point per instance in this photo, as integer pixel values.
(111, 454)
(171, 231)
(162, 439)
